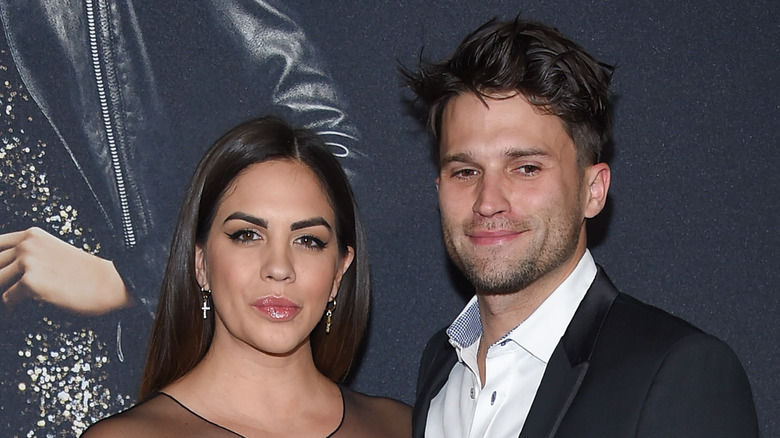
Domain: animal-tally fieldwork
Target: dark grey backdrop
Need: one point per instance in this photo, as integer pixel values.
(692, 223)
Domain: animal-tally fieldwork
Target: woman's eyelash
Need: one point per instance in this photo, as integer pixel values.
(311, 242)
(248, 235)
(244, 235)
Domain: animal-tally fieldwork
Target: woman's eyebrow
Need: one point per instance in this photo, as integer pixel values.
(260, 222)
(313, 222)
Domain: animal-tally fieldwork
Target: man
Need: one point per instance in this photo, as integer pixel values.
(548, 347)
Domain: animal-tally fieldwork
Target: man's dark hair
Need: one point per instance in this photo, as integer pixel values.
(533, 59)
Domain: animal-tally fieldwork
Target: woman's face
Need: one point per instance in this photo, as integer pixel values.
(271, 258)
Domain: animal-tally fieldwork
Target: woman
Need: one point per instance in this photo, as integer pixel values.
(95, 108)
(264, 301)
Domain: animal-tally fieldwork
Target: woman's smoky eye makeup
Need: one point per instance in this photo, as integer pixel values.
(244, 235)
(311, 242)
(251, 229)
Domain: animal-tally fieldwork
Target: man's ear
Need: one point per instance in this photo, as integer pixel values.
(200, 267)
(437, 183)
(597, 178)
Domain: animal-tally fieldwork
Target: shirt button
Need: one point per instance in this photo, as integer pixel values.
(472, 393)
(493, 398)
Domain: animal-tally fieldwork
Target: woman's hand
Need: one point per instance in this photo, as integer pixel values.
(36, 265)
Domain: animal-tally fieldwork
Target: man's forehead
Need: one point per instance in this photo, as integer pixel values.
(511, 124)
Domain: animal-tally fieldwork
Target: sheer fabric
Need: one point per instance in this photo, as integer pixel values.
(160, 415)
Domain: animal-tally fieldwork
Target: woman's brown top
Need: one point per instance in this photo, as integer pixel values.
(161, 415)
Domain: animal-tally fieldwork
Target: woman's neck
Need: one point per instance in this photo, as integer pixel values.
(234, 382)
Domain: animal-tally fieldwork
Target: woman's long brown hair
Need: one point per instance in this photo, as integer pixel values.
(180, 336)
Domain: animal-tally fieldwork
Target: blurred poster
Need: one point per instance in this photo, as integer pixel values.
(106, 108)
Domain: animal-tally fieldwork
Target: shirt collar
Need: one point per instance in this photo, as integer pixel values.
(540, 332)
(467, 327)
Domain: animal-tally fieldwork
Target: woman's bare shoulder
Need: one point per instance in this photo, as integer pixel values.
(148, 418)
(385, 406)
(384, 416)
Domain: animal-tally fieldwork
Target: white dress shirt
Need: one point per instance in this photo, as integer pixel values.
(514, 367)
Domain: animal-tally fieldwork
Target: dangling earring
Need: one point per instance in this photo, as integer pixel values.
(205, 294)
(329, 308)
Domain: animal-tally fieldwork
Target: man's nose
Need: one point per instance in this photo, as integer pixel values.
(492, 195)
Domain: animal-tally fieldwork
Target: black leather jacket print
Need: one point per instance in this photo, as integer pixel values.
(136, 92)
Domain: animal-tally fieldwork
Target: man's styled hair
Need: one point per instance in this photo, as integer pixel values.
(519, 56)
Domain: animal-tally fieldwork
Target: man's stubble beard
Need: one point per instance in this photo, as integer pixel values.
(492, 275)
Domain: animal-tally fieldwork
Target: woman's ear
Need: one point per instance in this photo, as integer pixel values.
(345, 262)
(200, 267)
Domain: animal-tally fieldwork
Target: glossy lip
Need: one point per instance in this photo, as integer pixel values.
(493, 237)
(277, 308)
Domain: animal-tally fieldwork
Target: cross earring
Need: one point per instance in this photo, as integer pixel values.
(205, 294)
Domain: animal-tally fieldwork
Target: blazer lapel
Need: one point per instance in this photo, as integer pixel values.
(569, 362)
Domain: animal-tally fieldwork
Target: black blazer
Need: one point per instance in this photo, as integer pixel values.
(622, 369)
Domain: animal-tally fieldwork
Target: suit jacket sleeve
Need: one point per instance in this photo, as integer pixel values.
(700, 390)
(437, 361)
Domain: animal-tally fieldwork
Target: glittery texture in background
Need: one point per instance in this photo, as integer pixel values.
(56, 367)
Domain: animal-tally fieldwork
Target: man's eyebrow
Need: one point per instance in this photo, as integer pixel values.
(513, 152)
(520, 152)
(260, 222)
(313, 222)
(461, 157)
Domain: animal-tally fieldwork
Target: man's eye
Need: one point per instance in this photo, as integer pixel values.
(464, 173)
(528, 169)
(310, 242)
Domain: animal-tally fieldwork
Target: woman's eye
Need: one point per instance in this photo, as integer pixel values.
(244, 236)
(310, 242)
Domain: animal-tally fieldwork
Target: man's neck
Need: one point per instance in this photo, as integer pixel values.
(500, 313)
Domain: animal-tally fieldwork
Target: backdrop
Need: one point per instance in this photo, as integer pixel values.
(691, 224)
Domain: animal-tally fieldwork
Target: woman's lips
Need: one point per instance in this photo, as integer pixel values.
(492, 237)
(277, 308)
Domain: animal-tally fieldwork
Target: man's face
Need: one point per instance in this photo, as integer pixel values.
(513, 199)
